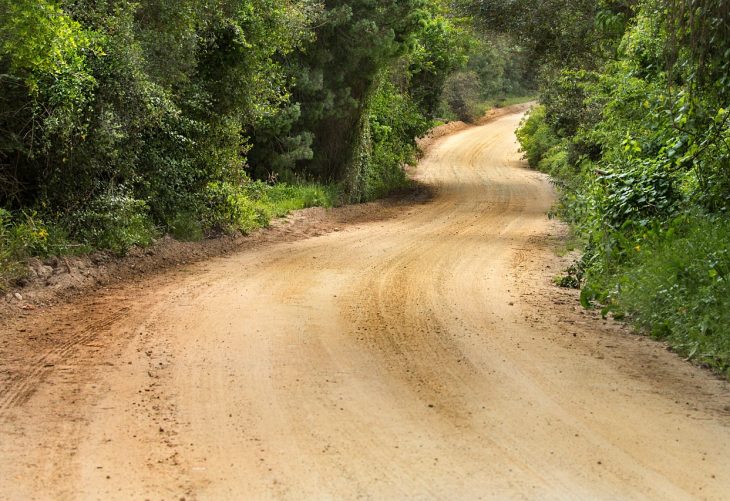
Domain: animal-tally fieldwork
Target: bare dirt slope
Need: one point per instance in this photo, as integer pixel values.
(422, 356)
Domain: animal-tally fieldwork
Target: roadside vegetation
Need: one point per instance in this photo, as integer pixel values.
(123, 121)
(498, 73)
(634, 127)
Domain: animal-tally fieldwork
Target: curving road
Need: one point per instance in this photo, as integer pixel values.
(425, 356)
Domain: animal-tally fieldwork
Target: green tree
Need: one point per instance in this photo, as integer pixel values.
(355, 40)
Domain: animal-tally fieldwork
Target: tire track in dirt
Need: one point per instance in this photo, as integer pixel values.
(21, 385)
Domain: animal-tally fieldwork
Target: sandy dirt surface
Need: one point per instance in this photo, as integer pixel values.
(423, 354)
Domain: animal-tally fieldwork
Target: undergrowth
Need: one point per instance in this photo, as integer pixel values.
(677, 287)
(116, 222)
(651, 254)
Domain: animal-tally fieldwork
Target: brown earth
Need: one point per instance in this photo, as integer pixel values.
(420, 351)
(60, 279)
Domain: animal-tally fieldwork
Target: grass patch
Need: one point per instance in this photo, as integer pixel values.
(253, 205)
(261, 203)
(280, 199)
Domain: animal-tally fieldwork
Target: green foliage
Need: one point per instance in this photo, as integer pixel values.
(277, 148)
(632, 197)
(564, 33)
(699, 42)
(22, 237)
(677, 286)
(46, 48)
(45, 88)
(285, 198)
(252, 205)
(333, 128)
(338, 73)
(461, 95)
(497, 73)
(25, 235)
(394, 123)
(123, 120)
(114, 221)
(502, 67)
(536, 137)
(186, 227)
(638, 141)
(156, 98)
(440, 48)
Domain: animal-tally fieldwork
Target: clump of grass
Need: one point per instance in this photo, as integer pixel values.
(253, 205)
(280, 199)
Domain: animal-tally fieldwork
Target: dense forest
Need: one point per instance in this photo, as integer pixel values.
(123, 121)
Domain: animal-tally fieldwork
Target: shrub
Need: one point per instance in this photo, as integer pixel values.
(536, 137)
(229, 209)
(114, 221)
(186, 226)
(677, 286)
(462, 95)
(394, 123)
(27, 235)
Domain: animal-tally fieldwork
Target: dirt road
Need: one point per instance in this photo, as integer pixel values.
(422, 356)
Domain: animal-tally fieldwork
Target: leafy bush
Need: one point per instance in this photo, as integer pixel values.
(440, 48)
(462, 95)
(677, 286)
(535, 136)
(186, 227)
(394, 124)
(230, 209)
(636, 195)
(638, 143)
(114, 221)
(26, 235)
